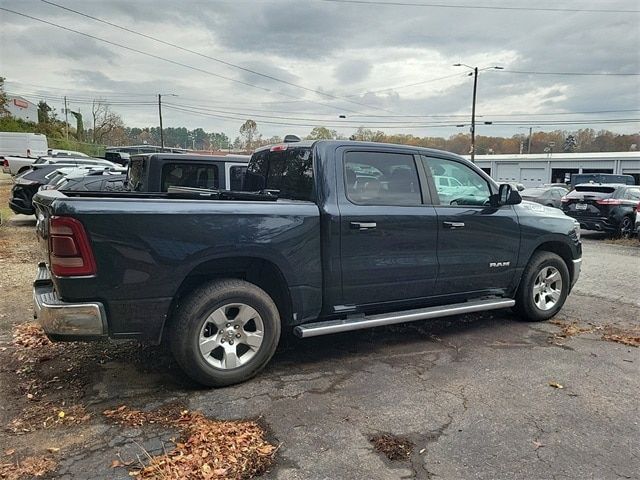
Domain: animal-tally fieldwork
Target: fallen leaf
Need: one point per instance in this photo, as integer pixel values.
(422, 451)
(60, 414)
(53, 449)
(537, 444)
(555, 385)
(10, 452)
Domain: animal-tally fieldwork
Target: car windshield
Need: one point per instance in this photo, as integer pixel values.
(533, 192)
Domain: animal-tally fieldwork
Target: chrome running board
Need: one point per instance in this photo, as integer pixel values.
(359, 322)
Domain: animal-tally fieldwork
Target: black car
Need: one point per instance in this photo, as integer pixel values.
(28, 183)
(608, 208)
(549, 196)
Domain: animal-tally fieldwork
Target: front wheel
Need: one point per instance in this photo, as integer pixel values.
(225, 332)
(544, 287)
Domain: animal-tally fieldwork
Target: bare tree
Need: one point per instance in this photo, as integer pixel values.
(249, 130)
(104, 121)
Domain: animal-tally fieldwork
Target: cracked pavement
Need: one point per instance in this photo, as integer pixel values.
(472, 393)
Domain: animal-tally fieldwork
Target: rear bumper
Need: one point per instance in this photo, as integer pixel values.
(602, 224)
(62, 320)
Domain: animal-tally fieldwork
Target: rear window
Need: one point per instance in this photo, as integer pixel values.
(595, 188)
(189, 175)
(289, 171)
(236, 174)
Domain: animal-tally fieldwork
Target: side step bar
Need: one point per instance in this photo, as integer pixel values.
(360, 322)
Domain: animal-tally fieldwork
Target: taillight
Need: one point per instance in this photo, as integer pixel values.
(564, 200)
(609, 201)
(69, 248)
(5, 163)
(278, 148)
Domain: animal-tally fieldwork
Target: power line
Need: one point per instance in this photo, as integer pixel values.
(582, 74)
(404, 126)
(481, 7)
(157, 57)
(209, 57)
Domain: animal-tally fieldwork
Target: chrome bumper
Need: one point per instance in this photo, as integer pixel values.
(65, 321)
(577, 266)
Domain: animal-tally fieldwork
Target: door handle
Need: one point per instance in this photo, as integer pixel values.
(363, 225)
(453, 225)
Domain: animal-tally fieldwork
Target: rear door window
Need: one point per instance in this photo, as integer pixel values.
(632, 194)
(236, 176)
(380, 178)
(189, 175)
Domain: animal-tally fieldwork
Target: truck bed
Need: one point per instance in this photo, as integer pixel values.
(147, 244)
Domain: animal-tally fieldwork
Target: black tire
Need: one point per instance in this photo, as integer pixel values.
(625, 230)
(190, 318)
(526, 306)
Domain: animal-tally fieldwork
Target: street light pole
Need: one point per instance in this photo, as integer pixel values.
(473, 115)
(160, 115)
(473, 103)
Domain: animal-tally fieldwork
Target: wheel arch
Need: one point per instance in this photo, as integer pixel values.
(259, 271)
(562, 249)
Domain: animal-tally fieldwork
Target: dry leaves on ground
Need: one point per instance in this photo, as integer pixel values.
(30, 336)
(47, 415)
(393, 447)
(30, 467)
(569, 329)
(626, 337)
(208, 449)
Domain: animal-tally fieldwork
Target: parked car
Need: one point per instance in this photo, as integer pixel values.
(31, 180)
(88, 179)
(120, 158)
(158, 171)
(601, 207)
(19, 144)
(549, 196)
(219, 274)
(56, 152)
(608, 178)
(18, 165)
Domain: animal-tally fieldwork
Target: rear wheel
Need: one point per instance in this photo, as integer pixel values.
(544, 287)
(225, 332)
(626, 227)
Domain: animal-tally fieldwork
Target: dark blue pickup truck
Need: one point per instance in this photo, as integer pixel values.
(338, 236)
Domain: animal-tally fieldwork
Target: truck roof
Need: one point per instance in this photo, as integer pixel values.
(183, 157)
(311, 143)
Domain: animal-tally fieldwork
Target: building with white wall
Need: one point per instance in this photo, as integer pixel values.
(22, 108)
(537, 169)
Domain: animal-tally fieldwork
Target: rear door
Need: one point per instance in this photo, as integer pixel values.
(477, 244)
(388, 230)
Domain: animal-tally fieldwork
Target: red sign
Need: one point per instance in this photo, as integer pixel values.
(20, 103)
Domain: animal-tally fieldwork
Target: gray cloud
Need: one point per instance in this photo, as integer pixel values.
(343, 50)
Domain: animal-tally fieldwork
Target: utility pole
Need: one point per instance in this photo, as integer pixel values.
(160, 115)
(66, 118)
(474, 72)
(473, 115)
(529, 141)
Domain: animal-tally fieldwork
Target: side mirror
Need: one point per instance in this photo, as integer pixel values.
(506, 196)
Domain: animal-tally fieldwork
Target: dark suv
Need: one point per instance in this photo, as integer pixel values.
(602, 207)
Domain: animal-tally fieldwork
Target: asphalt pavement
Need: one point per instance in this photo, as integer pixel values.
(477, 395)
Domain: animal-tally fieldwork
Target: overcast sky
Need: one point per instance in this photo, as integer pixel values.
(357, 60)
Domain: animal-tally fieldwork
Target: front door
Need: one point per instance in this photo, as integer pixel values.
(477, 244)
(388, 229)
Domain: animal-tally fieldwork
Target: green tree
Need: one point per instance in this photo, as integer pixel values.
(249, 130)
(322, 133)
(45, 112)
(3, 99)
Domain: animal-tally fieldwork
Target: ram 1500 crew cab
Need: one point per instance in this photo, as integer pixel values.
(338, 236)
